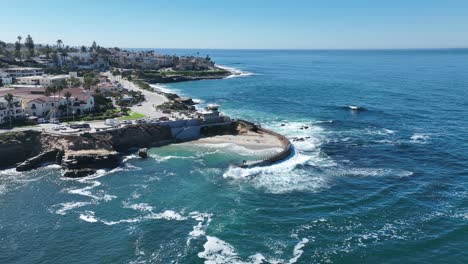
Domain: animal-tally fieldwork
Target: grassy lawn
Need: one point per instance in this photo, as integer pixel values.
(132, 116)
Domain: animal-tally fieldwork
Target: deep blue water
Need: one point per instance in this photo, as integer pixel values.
(387, 184)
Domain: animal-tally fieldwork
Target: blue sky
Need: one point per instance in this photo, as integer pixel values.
(244, 24)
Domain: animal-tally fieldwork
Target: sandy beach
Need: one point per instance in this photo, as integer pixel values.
(249, 140)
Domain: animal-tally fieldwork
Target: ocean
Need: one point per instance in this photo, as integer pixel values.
(384, 184)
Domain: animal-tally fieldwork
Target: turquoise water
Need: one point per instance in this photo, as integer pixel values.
(387, 184)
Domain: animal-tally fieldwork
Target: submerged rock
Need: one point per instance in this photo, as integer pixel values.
(143, 153)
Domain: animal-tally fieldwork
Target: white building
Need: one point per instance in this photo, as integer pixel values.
(43, 80)
(6, 78)
(23, 71)
(81, 102)
(15, 110)
(211, 114)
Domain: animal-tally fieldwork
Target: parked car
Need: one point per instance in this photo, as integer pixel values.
(139, 104)
(42, 121)
(164, 118)
(80, 126)
(126, 122)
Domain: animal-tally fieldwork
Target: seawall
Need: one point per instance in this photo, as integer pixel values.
(285, 144)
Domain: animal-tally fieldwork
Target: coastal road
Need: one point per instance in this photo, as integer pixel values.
(152, 98)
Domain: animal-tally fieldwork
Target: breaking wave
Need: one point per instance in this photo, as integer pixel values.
(235, 72)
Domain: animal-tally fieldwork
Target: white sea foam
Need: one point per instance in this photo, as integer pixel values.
(65, 207)
(219, 251)
(166, 215)
(88, 216)
(166, 158)
(419, 138)
(370, 172)
(241, 150)
(162, 88)
(144, 207)
(235, 72)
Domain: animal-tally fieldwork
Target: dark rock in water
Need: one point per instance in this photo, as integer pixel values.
(143, 153)
(306, 127)
(37, 161)
(85, 163)
(282, 124)
(78, 173)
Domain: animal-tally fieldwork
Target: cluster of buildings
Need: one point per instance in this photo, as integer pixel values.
(153, 61)
(32, 103)
(76, 60)
(30, 99)
(8, 75)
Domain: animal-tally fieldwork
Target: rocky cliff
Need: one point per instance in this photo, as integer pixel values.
(79, 155)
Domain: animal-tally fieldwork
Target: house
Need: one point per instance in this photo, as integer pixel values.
(46, 80)
(43, 80)
(80, 102)
(14, 109)
(6, 78)
(23, 71)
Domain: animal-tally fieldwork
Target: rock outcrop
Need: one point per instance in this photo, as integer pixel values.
(79, 155)
(19, 146)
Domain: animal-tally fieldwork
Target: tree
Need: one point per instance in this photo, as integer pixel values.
(18, 48)
(94, 46)
(55, 58)
(73, 82)
(29, 43)
(83, 49)
(59, 44)
(1, 82)
(88, 81)
(47, 51)
(9, 98)
(67, 98)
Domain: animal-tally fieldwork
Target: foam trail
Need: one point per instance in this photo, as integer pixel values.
(235, 72)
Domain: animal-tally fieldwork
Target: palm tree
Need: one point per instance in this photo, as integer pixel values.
(67, 97)
(19, 38)
(59, 43)
(9, 98)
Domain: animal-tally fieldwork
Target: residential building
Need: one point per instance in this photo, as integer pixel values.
(14, 109)
(23, 71)
(6, 78)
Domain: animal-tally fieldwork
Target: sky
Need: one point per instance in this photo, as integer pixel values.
(240, 24)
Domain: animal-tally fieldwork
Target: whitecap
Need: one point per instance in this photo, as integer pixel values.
(88, 216)
(65, 207)
(144, 207)
(419, 138)
(241, 150)
(219, 251)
